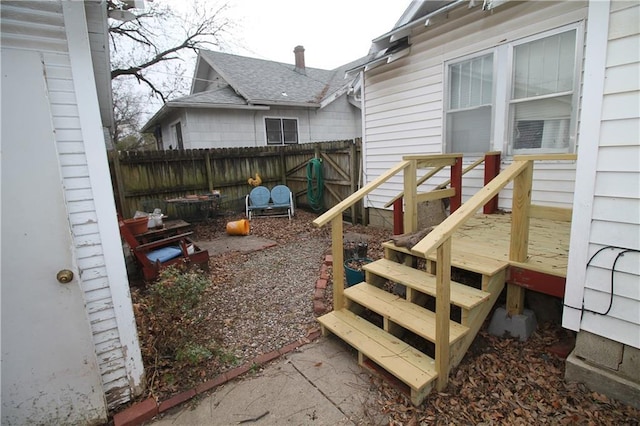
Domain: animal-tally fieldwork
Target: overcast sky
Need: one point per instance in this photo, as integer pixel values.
(333, 32)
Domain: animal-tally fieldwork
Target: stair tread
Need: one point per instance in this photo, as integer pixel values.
(461, 295)
(461, 259)
(399, 358)
(406, 314)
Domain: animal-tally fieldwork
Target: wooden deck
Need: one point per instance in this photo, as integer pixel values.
(488, 235)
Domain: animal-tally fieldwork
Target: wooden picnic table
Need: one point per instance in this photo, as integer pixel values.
(196, 207)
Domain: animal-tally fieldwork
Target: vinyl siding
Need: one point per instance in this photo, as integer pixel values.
(614, 222)
(39, 26)
(403, 104)
(229, 128)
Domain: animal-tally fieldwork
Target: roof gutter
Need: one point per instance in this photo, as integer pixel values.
(405, 30)
(387, 40)
(166, 108)
(284, 103)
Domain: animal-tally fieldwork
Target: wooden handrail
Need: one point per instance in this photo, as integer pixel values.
(420, 181)
(468, 209)
(520, 171)
(469, 167)
(358, 195)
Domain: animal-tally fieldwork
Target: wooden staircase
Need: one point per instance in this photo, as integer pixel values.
(412, 317)
(419, 335)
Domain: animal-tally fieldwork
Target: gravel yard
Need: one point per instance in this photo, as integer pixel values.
(257, 302)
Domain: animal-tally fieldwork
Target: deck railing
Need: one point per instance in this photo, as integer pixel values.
(520, 171)
(491, 161)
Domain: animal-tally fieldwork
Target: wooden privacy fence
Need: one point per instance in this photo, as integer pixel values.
(141, 178)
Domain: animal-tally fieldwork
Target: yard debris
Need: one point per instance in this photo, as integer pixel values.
(500, 381)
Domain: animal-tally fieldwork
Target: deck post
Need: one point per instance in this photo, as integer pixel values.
(398, 225)
(456, 183)
(410, 194)
(519, 244)
(491, 170)
(338, 262)
(443, 308)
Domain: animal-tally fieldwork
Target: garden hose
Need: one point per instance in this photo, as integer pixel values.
(315, 183)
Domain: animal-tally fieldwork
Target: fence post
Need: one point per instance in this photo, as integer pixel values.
(491, 170)
(207, 160)
(354, 178)
(117, 171)
(456, 183)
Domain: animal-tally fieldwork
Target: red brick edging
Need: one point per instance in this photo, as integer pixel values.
(319, 306)
(149, 408)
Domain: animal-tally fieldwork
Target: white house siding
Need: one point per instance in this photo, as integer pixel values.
(339, 120)
(231, 128)
(403, 101)
(614, 195)
(49, 38)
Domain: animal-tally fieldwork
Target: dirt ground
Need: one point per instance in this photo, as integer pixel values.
(500, 381)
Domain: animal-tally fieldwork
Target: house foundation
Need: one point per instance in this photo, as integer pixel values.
(606, 366)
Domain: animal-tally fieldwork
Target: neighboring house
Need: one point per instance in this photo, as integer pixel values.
(237, 101)
(70, 349)
(529, 78)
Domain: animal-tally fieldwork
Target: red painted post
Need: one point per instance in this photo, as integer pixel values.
(398, 219)
(456, 183)
(491, 170)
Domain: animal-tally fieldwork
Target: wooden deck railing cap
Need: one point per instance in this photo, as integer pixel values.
(468, 209)
(358, 195)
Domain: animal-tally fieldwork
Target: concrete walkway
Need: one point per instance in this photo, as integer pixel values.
(320, 384)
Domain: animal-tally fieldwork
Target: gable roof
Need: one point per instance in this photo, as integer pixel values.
(223, 80)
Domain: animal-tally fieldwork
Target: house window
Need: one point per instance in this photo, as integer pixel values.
(541, 103)
(469, 111)
(177, 136)
(521, 95)
(281, 131)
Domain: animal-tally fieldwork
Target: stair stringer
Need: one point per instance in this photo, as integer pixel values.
(475, 318)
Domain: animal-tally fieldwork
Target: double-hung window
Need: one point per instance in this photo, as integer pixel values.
(518, 98)
(542, 93)
(281, 131)
(470, 105)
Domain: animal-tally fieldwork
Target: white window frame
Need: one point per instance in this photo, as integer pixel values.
(575, 92)
(282, 142)
(174, 134)
(503, 69)
(447, 83)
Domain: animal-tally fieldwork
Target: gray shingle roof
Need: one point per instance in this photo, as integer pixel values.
(268, 82)
(253, 82)
(222, 96)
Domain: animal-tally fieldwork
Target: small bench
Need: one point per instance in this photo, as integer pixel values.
(277, 202)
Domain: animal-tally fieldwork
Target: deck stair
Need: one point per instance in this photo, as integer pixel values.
(408, 318)
(405, 317)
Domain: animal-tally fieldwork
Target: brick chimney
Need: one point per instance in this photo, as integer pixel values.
(299, 52)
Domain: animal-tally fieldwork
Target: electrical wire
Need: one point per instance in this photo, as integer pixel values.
(623, 251)
(315, 184)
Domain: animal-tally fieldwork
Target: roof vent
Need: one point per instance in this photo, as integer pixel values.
(299, 52)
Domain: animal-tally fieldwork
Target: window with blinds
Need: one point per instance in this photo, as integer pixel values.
(470, 98)
(542, 95)
(281, 131)
(520, 97)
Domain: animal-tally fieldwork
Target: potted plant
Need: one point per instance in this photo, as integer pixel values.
(353, 270)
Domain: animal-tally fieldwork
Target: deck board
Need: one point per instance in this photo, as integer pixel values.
(489, 235)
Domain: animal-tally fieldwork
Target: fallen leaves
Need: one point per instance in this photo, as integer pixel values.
(509, 382)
